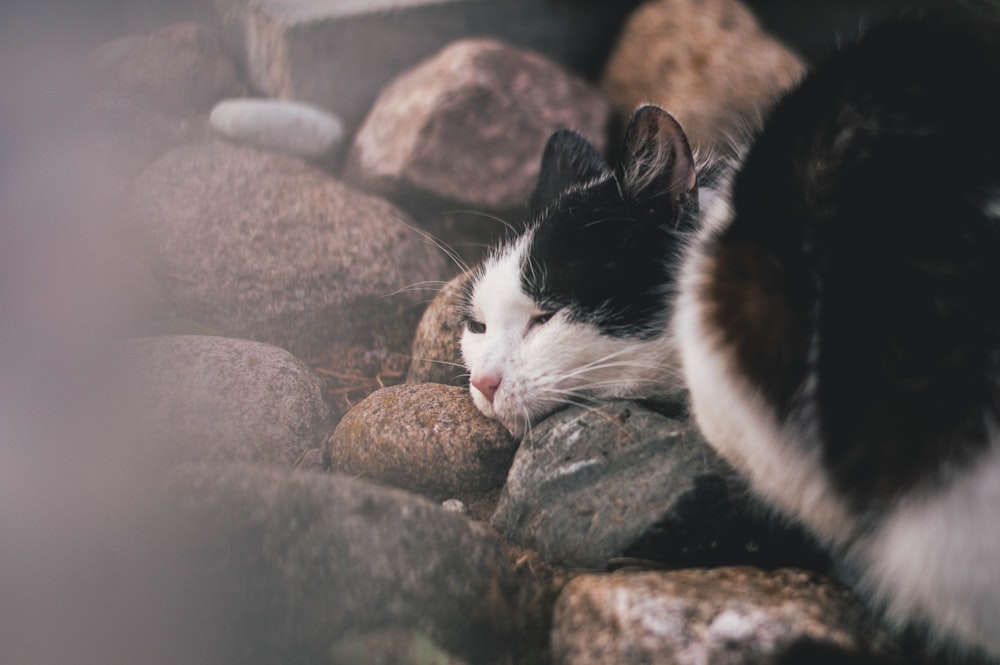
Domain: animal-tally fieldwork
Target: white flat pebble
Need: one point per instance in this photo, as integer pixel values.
(283, 126)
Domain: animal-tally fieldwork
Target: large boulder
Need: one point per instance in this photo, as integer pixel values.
(269, 248)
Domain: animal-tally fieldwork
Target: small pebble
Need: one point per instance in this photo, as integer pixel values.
(288, 127)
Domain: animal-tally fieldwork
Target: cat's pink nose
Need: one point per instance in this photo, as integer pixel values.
(487, 384)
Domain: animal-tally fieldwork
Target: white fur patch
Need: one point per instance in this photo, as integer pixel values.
(937, 557)
(543, 367)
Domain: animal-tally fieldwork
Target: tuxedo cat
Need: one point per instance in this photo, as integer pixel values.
(839, 320)
(578, 306)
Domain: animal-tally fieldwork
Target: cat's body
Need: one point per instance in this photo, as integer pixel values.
(837, 316)
(839, 320)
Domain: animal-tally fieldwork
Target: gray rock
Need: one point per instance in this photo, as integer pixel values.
(180, 70)
(339, 55)
(437, 351)
(427, 438)
(267, 247)
(289, 127)
(707, 62)
(618, 479)
(290, 563)
(221, 399)
(690, 617)
(468, 126)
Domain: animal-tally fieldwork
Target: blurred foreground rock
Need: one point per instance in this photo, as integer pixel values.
(288, 564)
(230, 400)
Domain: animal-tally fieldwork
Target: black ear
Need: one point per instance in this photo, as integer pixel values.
(657, 165)
(569, 159)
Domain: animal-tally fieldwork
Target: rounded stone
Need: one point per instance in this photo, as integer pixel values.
(619, 479)
(707, 62)
(427, 438)
(180, 69)
(215, 398)
(290, 127)
(437, 351)
(468, 126)
(288, 563)
(267, 247)
(718, 615)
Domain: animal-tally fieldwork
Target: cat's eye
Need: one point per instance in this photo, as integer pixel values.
(475, 327)
(542, 319)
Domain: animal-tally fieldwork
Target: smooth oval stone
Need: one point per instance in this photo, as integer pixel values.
(283, 126)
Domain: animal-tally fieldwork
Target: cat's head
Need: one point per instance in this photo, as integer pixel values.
(577, 307)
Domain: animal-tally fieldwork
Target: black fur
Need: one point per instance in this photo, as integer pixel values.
(860, 255)
(605, 244)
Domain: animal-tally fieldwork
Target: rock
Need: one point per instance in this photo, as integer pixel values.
(454, 506)
(468, 126)
(290, 563)
(339, 55)
(180, 70)
(214, 398)
(437, 351)
(147, 94)
(267, 247)
(427, 438)
(691, 617)
(708, 63)
(289, 127)
(591, 484)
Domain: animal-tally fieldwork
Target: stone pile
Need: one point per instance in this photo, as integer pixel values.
(295, 178)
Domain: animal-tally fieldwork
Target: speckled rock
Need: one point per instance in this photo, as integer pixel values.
(707, 62)
(289, 127)
(289, 563)
(725, 616)
(221, 399)
(437, 352)
(618, 479)
(270, 248)
(468, 126)
(427, 438)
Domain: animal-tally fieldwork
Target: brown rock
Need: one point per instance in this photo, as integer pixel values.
(707, 62)
(720, 615)
(426, 438)
(468, 126)
(437, 353)
(267, 247)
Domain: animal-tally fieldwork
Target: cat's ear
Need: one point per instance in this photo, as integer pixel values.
(657, 165)
(569, 159)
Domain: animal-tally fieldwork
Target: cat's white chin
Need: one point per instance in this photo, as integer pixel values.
(514, 423)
